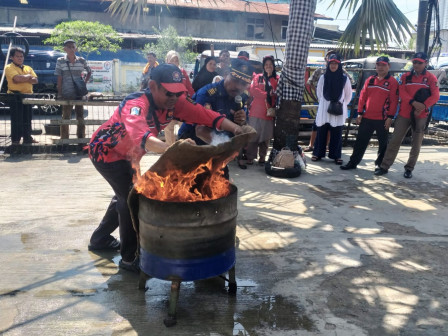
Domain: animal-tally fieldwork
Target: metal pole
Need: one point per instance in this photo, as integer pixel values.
(428, 26)
(421, 25)
(7, 54)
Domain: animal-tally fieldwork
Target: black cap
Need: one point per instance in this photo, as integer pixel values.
(420, 56)
(241, 69)
(169, 76)
(334, 58)
(243, 54)
(383, 60)
(69, 41)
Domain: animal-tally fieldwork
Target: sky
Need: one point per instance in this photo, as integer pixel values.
(408, 7)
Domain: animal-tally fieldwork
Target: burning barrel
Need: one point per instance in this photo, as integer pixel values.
(187, 241)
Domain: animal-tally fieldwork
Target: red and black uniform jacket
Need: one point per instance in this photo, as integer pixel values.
(379, 98)
(124, 135)
(410, 84)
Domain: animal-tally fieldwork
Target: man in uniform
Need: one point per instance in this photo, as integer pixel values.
(20, 79)
(376, 109)
(117, 147)
(223, 97)
(413, 112)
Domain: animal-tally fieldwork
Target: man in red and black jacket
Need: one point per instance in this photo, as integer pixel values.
(418, 92)
(118, 145)
(376, 108)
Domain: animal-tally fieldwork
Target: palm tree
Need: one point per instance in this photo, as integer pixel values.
(380, 20)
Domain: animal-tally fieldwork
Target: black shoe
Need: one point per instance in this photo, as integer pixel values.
(348, 166)
(131, 266)
(380, 171)
(377, 168)
(112, 244)
(407, 173)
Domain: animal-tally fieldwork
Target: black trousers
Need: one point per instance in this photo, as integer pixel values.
(365, 132)
(335, 145)
(119, 175)
(21, 116)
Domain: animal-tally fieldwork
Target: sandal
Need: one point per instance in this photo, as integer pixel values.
(315, 158)
(308, 149)
(338, 161)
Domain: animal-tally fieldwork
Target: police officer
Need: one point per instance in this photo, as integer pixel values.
(376, 109)
(223, 97)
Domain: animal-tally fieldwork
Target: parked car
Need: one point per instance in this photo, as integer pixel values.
(43, 63)
(367, 65)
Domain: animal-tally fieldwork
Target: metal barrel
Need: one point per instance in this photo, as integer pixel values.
(187, 241)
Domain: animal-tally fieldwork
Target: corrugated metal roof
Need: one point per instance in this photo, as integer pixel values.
(233, 6)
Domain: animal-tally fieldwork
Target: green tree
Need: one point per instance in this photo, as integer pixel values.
(170, 40)
(89, 36)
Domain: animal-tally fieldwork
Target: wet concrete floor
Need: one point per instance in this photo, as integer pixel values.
(329, 253)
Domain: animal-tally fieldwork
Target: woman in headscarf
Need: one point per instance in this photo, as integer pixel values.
(263, 96)
(173, 57)
(333, 88)
(206, 74)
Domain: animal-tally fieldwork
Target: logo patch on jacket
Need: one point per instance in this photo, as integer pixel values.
(135, 111)
(190, 100)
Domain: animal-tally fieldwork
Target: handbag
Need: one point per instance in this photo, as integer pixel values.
(270, 112)
(284, 159)
(79, 84)
(335, 108)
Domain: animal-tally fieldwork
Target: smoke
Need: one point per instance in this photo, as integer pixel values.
(219, 138)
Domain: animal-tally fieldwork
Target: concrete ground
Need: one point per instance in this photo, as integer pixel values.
(329, 253)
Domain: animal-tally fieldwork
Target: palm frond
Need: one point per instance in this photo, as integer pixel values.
(381, 20)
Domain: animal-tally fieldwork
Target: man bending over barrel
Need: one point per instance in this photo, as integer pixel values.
(117, 147)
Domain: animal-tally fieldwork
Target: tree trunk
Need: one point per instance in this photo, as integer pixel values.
(286, 131)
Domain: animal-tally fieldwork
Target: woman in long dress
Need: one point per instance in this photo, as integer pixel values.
(333, 86)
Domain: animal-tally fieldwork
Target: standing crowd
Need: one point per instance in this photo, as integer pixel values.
(224, 96)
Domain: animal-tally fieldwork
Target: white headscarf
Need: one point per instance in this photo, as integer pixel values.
(171, 54)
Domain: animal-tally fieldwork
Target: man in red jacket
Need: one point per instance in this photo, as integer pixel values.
(413, 111)
(118, 145)
(376, 109)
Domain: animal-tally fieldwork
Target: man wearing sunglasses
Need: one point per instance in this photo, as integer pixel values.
(118, 145)
(414, 110)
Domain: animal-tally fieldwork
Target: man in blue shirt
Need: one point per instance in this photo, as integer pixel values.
(226, 97)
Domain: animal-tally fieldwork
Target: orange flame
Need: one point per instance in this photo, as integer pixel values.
(201, 184)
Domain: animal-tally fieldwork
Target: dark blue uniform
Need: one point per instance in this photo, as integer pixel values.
(216, 95)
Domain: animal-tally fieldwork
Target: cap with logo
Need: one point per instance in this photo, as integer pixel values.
(420, 56)
(241, 69)
(169, 76)
(334, 58)
(383, 60)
